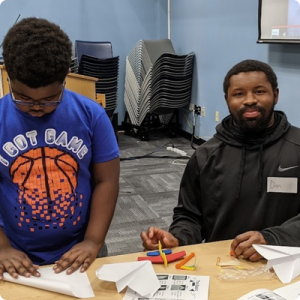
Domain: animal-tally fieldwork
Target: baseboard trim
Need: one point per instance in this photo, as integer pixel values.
(188, 136)
(180, 132)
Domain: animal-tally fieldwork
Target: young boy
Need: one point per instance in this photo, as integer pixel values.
(59, 159)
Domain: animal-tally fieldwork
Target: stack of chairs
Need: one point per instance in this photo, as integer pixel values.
(157, 83)
(74, 65)
(96, 59)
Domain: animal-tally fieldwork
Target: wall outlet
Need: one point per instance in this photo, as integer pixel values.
(203, 112)
(198, 110)
(193, 107)
(217, 117)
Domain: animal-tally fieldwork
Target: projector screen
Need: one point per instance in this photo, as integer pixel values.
(279, 21)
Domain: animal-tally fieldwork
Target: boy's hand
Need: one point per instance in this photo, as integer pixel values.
(80, 256)
(16, 263)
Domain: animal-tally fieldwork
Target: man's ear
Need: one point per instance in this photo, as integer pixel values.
(276, 95)
(225, 97)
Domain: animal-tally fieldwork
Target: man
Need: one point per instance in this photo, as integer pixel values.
(242, 184)
(59, 159)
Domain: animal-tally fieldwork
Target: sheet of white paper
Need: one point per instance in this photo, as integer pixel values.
(139, 276)
(262, 294)
(286, 271)
(76, 284)
(281, 260)
(273, 252)
(290, 292)
(284, 260)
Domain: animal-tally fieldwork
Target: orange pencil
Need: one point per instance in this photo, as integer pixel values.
(181, 263)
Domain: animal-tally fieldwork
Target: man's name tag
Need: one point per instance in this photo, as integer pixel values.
(282, 185)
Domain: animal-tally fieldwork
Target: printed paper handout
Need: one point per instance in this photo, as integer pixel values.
(289, 292)
(176, 287)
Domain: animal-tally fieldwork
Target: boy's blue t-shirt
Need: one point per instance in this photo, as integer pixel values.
(45, 178)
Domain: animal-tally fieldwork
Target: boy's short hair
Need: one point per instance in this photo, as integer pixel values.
(37, 52)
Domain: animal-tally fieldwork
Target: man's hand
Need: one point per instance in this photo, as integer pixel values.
(242, 245)
(81, 255)
(16, 263)
(151, 237)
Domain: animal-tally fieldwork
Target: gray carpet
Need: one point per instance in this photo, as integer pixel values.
(148, 190)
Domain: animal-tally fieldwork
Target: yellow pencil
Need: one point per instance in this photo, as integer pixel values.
(162, 254)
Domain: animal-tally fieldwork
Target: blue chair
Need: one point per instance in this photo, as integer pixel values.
(101, 50)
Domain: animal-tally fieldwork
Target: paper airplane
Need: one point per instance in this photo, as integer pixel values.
(139, 276)
(76, 284)
(284, 260)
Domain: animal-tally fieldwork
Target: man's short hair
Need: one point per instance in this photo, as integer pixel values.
(250, 65)
(37, 52)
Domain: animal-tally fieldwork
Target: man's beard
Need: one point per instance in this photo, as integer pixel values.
(252, 126)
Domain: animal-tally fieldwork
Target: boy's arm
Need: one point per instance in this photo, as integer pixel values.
(104, 199)
(103, 203)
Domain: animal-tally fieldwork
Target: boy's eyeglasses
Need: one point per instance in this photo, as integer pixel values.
(41, 103)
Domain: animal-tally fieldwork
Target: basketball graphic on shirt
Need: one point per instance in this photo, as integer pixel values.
(47, 182)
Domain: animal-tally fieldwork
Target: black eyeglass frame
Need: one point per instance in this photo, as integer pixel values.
(36, 102)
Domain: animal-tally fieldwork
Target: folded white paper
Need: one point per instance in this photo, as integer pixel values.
(139, 276)
(284, 260)
(76, 284)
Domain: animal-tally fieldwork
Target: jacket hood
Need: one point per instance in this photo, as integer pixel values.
(225, 135)
(255, 143)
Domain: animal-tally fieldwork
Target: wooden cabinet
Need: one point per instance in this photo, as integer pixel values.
(4, 89)
(80, 84)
